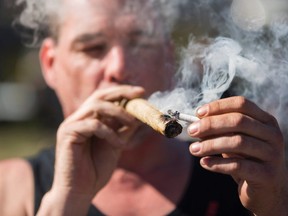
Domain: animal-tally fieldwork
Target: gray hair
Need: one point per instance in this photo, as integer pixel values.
(40, 18)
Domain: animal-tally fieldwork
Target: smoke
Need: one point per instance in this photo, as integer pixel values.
(238, 54)
(35, 20)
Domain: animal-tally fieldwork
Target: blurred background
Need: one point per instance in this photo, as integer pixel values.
(29, 111)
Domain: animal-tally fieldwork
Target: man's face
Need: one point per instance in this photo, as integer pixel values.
(103, 43)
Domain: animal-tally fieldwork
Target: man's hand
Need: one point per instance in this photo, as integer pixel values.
(252, 149)
(89, 143)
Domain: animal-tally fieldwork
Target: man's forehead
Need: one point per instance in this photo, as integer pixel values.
(135, 12)
(116, 4)
(122, 17)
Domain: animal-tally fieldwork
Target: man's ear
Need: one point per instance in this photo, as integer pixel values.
(47, 59)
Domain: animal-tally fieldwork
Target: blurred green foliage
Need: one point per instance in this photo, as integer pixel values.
(23, 139)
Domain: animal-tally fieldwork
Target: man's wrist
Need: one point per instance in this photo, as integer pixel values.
(64, 203)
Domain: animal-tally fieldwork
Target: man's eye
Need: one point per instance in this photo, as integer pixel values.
(96, 50)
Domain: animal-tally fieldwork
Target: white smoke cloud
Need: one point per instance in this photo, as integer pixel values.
(247, 57)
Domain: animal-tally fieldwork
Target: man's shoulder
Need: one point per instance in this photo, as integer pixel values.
(16, 187)
(14, 166)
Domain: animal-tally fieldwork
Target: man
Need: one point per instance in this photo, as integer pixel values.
(98, 52)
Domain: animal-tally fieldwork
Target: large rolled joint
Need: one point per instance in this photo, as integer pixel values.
(148, 114)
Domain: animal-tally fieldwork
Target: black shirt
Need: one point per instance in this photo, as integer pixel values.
(208, 194)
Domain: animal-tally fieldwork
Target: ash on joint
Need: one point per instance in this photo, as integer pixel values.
(167, 118)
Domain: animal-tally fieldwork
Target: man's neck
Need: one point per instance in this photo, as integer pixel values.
(153, 173)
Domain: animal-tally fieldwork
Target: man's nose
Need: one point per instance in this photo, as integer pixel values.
(117, 65)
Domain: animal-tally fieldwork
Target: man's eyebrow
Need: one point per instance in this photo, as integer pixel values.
(87, 37)
(139, 32)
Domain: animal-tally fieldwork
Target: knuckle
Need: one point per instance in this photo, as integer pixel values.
(279, 139)
(64, 134)
(206, 124)
(241, 101)
(242, 167)
(216, 107)
(238, 141)
(278, 135)
(208, 146)
(236, 167)
(238, 120)
(94, 113)
(62, 129)
(95, 124)
(272, 119)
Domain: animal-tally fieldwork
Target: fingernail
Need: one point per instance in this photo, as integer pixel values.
(205, 161)
(193, 128)
(202, 111)
(195, 147)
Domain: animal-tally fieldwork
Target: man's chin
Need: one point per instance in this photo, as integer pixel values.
(141, 136)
